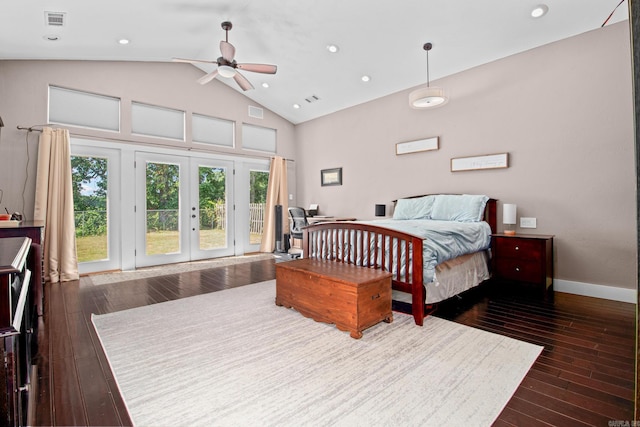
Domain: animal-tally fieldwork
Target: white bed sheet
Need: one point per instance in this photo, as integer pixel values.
(453, 277)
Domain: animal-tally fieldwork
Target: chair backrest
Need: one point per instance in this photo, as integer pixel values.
(298, 220)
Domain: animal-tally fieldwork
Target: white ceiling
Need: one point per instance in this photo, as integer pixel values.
(379, 38)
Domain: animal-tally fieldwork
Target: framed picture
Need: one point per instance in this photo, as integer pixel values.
(416, 146)
(488, 161)
(331, 176)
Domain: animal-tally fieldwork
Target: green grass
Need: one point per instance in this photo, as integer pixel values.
(91, 248)
(94, 248)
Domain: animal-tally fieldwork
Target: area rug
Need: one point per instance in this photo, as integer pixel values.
(183, 267)
(235, 358)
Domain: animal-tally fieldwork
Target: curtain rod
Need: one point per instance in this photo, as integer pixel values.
(32, 129)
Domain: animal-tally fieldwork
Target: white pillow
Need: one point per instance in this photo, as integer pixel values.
(417, 208)
(459, 207)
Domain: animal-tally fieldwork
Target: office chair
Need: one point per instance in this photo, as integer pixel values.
(298, 221)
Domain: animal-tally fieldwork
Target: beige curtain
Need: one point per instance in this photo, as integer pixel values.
(54, 206)
(276, 195)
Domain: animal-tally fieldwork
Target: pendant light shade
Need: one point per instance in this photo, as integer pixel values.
(428, 97)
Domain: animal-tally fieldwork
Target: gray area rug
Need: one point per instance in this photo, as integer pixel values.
(235, 358)
(163, 270)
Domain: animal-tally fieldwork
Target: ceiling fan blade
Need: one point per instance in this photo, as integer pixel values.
(208, 77)
(259, 68)
(191, 61)
(242, 81)
(227, 50)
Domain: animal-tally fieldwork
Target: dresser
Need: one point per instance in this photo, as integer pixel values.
(16, 331)
(33, 230)
(523, 259)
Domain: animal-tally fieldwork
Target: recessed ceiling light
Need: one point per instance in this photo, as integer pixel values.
(296, 106)
(539, 11)
(123, 41)
(366, 78)
(51, 37)
(333, 48)
(265, 85)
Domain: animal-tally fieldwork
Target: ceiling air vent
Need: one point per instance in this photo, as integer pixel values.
(312, 98)
(256, 112)
(54, 19)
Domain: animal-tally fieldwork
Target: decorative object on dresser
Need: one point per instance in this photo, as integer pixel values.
(353, 298)
(425, 231)
(509, 218)
(525, 259)
(16, 332)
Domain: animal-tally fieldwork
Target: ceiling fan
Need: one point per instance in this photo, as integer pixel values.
(227, 65)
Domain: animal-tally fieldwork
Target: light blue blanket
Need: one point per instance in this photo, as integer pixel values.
(442, 240)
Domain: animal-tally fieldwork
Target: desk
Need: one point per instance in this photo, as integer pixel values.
(316, 219)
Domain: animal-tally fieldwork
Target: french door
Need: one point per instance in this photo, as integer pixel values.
(211, 209)
(182, 208)
(96, 197)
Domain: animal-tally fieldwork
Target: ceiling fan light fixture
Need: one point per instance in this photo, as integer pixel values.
(226, 71)
(427, 97)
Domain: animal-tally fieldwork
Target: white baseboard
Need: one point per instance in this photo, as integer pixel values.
(597, 291)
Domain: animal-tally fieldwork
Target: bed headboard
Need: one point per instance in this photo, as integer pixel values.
(490, 210)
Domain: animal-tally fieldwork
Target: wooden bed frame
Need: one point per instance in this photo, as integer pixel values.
(345, 242)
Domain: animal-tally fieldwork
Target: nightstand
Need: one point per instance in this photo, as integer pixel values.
(523, 258)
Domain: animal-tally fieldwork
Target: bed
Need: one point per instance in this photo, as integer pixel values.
(435, 246)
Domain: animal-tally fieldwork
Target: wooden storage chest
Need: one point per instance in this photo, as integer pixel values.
(353, 298)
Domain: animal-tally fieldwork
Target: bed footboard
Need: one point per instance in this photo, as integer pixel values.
(371, 246)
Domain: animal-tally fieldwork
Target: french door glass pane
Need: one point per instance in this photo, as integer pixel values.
(213, 207)
(89, 180)
(258, 181)
(163, 202)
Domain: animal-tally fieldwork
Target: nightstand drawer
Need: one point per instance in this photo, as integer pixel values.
(520, 270)
(528, 249)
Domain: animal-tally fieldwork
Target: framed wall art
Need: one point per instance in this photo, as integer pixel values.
(331, 176)
(416, 146)
(488, 161)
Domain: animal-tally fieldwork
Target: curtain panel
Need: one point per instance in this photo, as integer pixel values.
(276, 195)
(54, 205)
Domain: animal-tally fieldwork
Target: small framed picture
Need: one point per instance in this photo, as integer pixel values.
(331, 176)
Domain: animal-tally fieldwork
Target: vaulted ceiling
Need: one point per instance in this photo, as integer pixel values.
(380, 39)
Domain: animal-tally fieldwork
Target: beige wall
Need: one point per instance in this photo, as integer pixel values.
(564, 114)
(23, 102)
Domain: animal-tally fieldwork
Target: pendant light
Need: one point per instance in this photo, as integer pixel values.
(429, 96)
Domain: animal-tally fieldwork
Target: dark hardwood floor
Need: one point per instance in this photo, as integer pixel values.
(584, 376)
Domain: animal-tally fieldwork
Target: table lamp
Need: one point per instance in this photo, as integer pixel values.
(509, 219)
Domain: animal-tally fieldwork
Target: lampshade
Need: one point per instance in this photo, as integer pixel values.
(426, 97)
(508, 214)
(226, 71)
(381, 210)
